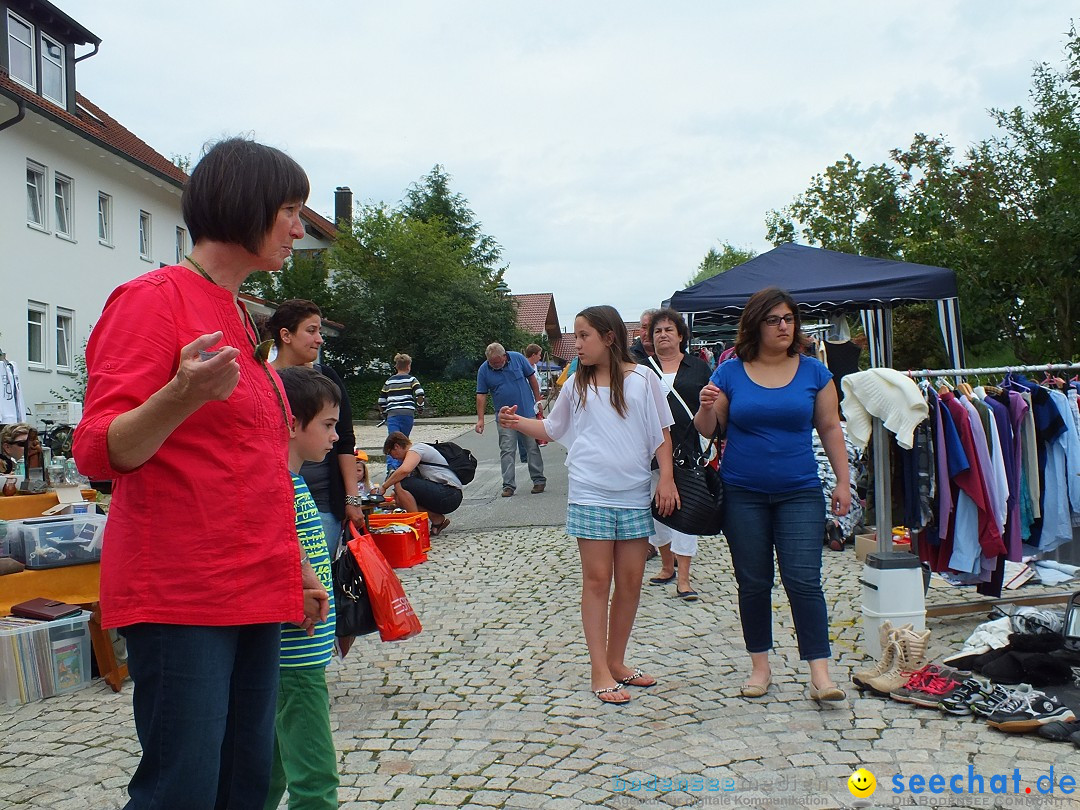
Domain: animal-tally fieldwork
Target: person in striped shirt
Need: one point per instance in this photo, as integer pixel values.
(305, 762)
(400, 400)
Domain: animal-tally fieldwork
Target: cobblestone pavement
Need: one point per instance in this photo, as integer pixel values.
(489, 706)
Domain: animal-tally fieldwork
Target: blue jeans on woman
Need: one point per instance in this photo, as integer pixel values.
(204, 702)
(793, 523)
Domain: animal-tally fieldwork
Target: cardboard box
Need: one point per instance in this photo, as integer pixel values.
(866, 543)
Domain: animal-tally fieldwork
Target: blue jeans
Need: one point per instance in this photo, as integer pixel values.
(793, 523)
(204, 702)
(402, 422)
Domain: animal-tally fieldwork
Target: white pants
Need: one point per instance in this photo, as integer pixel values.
(681, 543)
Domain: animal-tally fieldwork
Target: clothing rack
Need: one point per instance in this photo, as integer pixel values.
(882, 486)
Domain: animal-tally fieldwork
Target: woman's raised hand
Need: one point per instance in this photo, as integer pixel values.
(211, 379)
(508, 417)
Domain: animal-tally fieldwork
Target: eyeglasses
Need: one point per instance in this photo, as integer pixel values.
(774, 320)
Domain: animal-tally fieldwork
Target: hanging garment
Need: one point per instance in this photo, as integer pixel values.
(853, 518)
(12, 405)
(843, 359)
(887, 394)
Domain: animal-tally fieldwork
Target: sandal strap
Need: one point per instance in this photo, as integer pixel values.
(616, 688)
(637, 673)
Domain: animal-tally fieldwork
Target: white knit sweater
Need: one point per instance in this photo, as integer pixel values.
(888, 394)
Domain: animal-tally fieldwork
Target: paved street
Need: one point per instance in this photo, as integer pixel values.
(490, 707)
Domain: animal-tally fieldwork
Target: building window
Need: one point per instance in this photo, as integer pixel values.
(65, 337)
(35, 334)
(21, 50)
(53, 76)
(35, 195)
(144, 235)
(62, 196)
(181, 244)
(104, 218)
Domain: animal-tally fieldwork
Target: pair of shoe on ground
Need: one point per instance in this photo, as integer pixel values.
(508, 492)
(826, 693)
(687, 596)
(636, 678)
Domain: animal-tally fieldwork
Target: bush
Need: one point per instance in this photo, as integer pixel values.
(442, 398)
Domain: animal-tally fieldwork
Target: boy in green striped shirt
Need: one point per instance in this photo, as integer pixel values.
(305, 762)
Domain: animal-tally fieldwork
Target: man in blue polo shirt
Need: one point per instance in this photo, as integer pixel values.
(511, 380)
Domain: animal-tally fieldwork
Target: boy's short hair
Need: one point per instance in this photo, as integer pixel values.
(533, 348)
(234, 193)
(308, 392)
(402, 361)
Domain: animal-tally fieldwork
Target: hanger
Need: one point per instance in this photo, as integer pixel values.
(944, 386)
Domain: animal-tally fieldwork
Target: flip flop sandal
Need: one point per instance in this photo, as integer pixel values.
(611, 689)
(637, 675)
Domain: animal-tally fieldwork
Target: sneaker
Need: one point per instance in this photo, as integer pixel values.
(507, 492)
(998, 695)
(1027, 712)
(1060, 731)
(927, 687)
(973, 689)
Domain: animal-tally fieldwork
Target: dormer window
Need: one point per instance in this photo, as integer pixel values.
(21, 50)
(53, 77)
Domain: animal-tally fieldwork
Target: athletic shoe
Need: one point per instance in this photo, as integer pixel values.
(1029, 712)
(973, 689)
(934, 690)
(998, 695)
(929, 679)
(1060, 731)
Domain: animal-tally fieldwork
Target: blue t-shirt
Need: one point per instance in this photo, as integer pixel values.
(298, 649)
(769, 445)
(508, 385)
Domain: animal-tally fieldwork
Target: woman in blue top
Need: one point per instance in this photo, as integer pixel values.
(768, 398)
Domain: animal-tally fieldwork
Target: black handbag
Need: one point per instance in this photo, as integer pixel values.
(351, 600)
(701, 495)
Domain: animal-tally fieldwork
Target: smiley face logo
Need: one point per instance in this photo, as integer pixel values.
(862, 783)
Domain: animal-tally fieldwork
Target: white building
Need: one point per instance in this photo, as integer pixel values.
(85, 205)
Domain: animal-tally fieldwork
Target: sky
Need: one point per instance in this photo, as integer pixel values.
(605, 145)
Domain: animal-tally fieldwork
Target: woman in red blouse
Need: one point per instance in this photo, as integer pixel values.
(201, 561)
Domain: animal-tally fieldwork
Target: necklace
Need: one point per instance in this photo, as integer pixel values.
(261, 350)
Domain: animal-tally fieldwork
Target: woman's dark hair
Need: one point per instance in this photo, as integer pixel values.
(235, 192)
(396, 439)
(668, 314)
(606, 321)
(748, 341)
(289, 316)
(308, 392)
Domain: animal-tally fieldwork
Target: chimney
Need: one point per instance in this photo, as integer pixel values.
(343, 206)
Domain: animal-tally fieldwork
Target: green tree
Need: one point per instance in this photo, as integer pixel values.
(720, 261)
(430, 200)
(1005, 217)
(401, 283)
(305, 275)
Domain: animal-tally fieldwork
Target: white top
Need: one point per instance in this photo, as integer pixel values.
(608, 456)
(440, 475)
(12, 404)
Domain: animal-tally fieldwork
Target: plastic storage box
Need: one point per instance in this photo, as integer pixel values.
(53, 542)
(892, 588)
(42, 659)
(418, 520)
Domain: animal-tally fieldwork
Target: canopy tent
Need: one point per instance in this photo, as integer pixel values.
(824, 282)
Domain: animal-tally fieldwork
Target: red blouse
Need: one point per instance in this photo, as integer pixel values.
(204, 532)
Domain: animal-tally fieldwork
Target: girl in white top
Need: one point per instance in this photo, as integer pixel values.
(613, 417)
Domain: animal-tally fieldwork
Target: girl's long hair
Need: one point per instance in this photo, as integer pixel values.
(605, 320)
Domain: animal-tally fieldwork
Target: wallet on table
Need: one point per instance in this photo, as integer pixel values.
(42, 608)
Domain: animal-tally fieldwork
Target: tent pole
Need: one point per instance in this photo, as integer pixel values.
(882, 487)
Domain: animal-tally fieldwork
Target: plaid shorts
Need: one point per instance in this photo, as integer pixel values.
(607, 522)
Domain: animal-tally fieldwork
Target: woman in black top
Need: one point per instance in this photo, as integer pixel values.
(687, 374)
(296, 329)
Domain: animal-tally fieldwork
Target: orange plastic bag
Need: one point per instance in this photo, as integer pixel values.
(394, 613)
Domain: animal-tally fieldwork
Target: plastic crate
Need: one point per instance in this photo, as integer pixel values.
(54, 542)
(418, 520)
(41, 659)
